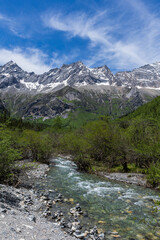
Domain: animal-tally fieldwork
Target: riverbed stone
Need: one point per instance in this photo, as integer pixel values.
(101, 236)
(76, 211)
(59, 198)
(49, 203)
(32, 218)
(63, 223)
(94, 231)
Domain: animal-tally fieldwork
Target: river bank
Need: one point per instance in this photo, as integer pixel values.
(129, 178)
(20, 216)
(138, 179)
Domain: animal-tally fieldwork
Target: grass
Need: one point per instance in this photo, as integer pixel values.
(101, 167)
(132, 169)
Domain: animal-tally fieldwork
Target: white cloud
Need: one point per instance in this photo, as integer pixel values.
(29, 59)
(122, 41)
(34, 60)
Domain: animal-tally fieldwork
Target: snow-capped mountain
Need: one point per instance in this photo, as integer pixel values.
(147, 76)
(77, 75)
(75, 86)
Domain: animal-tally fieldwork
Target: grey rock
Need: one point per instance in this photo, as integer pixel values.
(63, 223)
(101, 236)
(18, 230)
(3, 210)
(69, 225)
(94, 231)
(32, 218)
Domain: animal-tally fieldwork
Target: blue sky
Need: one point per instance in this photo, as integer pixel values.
(42, 34)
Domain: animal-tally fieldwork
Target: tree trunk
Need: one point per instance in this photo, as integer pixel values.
(125, 167)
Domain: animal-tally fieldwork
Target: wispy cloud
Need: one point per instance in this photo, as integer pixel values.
(9, 22)
(28, 59)
(2, 17)
(13, 24)
(118, 39)
(82, 25)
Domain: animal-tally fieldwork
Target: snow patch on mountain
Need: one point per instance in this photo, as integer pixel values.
(31, 85)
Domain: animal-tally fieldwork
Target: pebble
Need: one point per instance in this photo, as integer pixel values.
(32, 218)
(76, 211)
(3, 210)
(18, 230)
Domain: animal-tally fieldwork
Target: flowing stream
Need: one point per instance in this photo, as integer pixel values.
(127, 209)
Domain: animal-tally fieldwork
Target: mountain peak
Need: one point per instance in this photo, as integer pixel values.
(74, 64)
(102, 67)
(79, 63)
(11, 65)
(105, 66)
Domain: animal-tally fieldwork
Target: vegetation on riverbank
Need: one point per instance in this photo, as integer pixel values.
(128, 144)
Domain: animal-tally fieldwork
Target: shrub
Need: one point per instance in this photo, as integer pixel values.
(153, 175)
(35, 145)
(7, 153)
(83, 164)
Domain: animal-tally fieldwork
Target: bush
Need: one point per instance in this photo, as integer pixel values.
(35, 145)
(83, 164)
(153, 175)
(7, 153)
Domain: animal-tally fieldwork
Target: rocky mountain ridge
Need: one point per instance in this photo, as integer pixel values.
(147, 76)
(12, 77)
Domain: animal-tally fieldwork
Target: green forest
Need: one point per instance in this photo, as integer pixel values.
(127, 144)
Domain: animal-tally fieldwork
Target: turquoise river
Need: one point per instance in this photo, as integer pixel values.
(128, 209)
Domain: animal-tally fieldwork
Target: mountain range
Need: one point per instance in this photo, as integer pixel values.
(73, 87)
(77, 75)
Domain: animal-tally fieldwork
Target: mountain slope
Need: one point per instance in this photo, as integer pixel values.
(2, 108)
(148, 110)
(98, 100)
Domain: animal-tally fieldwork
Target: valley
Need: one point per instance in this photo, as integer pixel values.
(110, 127)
